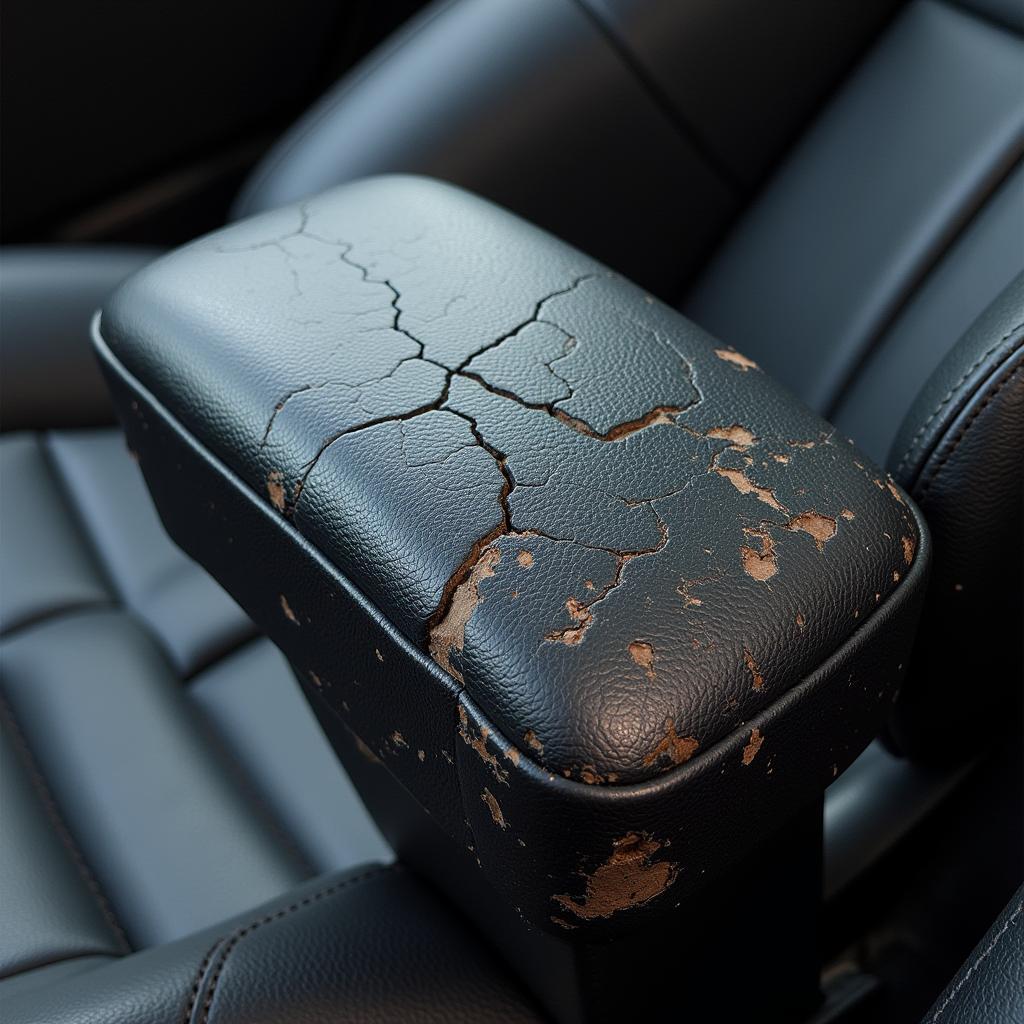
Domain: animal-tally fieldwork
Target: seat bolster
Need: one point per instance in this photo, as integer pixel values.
(48, 376)
(958, 453)
(989, 988)
(364, 946)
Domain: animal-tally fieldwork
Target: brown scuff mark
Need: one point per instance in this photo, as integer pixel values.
(628, 878)
(589, 774)
(738, 436)
(398, 739)
(421, 754)
(449, 634)
(525, 559)
(730, 355)
(287, 609)
(366, 751)
(784, 459)
(679, 749)
(380, 657)
(755, 672)
(582, 613)
(821, 528)
(512, 754)
(531, 740)
(800, 620)
(495, 808)
(275, 489)
(642, 654)
(316, 680)
(661, 415)
(847, 514)
(572, 635)
(801, 444)
(908, 549)
(739, 479)
(895, 576)
(683, 590)
(894, 491)
(479, 744)
(759, 565)
(751, 749)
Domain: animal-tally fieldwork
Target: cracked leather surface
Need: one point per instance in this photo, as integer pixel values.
(625, 549)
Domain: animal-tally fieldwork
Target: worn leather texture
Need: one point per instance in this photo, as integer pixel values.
(368, 946)
(989, 988)
(960, 453)
(654, 556)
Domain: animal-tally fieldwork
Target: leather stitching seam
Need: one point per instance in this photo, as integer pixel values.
(977, 962)
(53, 814)
(921, 491)
(915, 441)
(229, 943)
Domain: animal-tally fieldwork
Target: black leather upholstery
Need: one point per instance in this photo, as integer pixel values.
(370, 946)
(867, 206)
(656, 551)
(960, 452)
(929, 125)
(989, 988)
(133, 802)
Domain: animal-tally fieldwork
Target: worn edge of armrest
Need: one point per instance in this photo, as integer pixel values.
(625, 864)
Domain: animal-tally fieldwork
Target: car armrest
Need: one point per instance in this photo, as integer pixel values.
(608, 602)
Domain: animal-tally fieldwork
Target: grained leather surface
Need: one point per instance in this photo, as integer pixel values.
(629, 549)
(368, 946)
(960, 453)
(989, 988)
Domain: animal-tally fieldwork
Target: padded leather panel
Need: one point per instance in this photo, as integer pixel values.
(989, 988)
(140, 798)
(256, 710)
(982, 261)
(511, 122)
(48, 377)
(50, 912)
(193, 618)
(959, 452)
(261, 811)
(372, 946)
(45, 561)
(913, 144)
(744, 76)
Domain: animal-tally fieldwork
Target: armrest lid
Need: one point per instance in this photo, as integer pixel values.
(622, 543)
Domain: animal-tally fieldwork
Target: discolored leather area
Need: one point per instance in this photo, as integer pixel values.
(641, 569)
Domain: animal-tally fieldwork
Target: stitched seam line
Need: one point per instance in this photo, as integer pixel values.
(915, 441)
(60, 828)
(248, 929)
(974, 966)
(921, 491)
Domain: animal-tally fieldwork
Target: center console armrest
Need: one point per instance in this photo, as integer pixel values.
(608, 602)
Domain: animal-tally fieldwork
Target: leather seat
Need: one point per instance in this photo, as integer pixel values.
(162, 771)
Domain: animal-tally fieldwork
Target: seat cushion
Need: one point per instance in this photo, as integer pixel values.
(162, 769)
